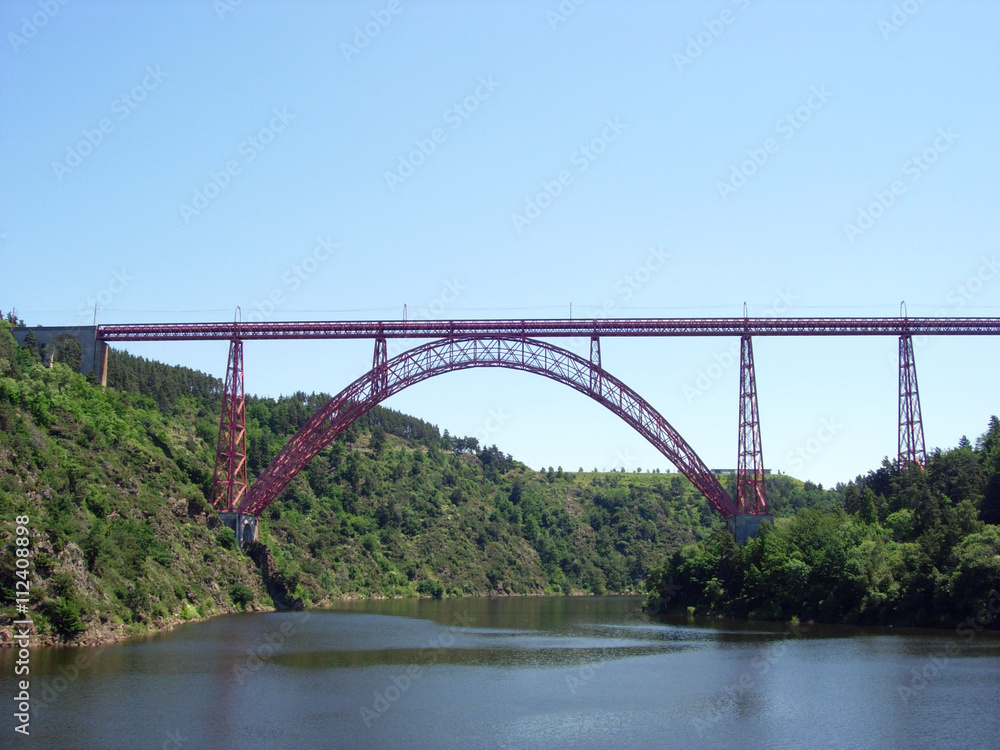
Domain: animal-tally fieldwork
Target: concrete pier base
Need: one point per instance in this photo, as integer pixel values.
(744, 526)
(245, 526)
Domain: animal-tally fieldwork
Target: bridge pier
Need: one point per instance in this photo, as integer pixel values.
(911, 426)
(745, 526)
(244, 525)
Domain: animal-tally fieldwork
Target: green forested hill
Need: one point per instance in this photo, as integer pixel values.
(121, 535)
(912, 547)
(115, 483)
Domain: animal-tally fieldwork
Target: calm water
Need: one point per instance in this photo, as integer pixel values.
(518, 673)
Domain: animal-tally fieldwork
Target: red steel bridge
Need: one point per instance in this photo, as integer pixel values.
(517, 344)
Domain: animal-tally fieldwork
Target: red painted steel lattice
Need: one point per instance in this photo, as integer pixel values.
(433, 329)
(458, 353)
(229, 484)
(911, 426)
(751, 494)
(386, 377)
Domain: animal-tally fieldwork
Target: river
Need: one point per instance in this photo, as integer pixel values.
(576, 672)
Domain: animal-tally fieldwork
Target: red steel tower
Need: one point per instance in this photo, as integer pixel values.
(229, 485)
(751, 494)
(911, 426)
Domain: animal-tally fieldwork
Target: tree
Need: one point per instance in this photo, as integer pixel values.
(8, 354)
(68, 352)
(30, 346)
(12, 318)
(377, 440)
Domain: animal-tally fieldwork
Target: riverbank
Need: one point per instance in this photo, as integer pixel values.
(112, 632)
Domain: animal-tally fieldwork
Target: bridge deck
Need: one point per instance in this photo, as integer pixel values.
(553, 328)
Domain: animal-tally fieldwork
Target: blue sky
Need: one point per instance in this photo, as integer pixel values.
(171, 160)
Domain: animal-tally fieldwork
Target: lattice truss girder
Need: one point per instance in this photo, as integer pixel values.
(229, 483)
(458, 353)
(433, 329)
(751, 493)
(911, 425)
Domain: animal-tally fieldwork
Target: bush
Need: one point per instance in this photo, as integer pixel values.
(226, 538)
(241, 594)
(65, 616)
(431, 587)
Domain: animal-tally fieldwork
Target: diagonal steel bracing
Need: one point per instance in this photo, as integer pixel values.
(438, 357)
(751, 494)
(911, 426)
(229, 483)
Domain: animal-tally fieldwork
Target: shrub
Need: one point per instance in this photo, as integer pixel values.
(431, 587)
(241, 594)
(65, 616)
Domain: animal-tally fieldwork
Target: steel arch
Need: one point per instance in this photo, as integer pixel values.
(463, 352)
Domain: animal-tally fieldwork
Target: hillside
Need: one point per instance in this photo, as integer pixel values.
(115, 482)
(123, 540)
(915, 547)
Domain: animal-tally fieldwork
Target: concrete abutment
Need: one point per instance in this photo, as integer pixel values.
(745, 526)
(244, 525)
(94, 353)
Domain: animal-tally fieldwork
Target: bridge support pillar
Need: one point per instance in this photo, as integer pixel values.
(244, 525)
(911, 426)
(229, 484)
(745, 526)
(595, 365)
(751, 491)
(380, 365)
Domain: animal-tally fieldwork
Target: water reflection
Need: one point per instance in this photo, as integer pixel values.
(516, 673)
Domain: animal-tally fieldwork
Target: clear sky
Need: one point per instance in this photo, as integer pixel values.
(307, 160)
